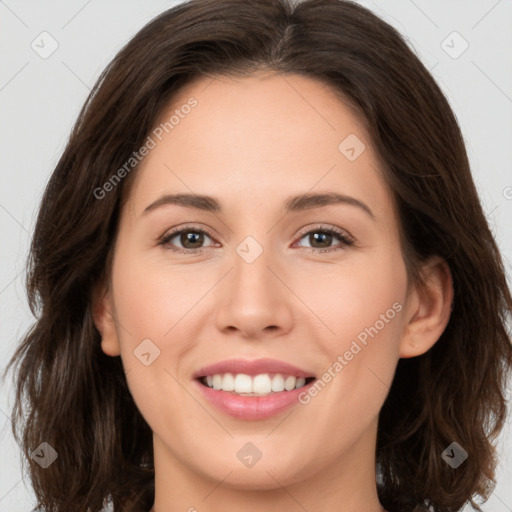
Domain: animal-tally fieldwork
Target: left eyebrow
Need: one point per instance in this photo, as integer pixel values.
(309, 201)
(295, 203)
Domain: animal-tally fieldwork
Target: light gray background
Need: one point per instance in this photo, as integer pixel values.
(40, 99)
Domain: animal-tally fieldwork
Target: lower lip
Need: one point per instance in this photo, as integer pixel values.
(252, 407)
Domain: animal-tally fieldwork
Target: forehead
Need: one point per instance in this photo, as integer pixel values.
(258, 137)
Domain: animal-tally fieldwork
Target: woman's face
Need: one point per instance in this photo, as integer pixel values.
(265, 281)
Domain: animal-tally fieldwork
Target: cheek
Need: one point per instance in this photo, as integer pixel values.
(155, 308)
(362, 322)
(349, 298)
(153, 298)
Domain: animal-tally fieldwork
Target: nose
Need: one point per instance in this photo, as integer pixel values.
(254, 300)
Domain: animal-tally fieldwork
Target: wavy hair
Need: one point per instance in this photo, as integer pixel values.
(73, 396)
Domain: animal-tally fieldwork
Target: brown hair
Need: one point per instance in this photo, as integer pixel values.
(77, 398)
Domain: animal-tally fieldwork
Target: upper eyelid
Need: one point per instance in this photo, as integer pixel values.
(303, 232)
(208, 231)
(323, 227)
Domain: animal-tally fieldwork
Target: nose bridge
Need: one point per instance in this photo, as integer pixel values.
(251, 277)
(254, 298)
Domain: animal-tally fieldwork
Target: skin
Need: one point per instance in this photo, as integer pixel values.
(251, 143)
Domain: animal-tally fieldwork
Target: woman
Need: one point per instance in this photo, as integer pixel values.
(263, 278)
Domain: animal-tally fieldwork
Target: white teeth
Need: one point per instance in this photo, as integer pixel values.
(262, 384)
(289, 383)
(228, 382)
(278, 383)
(217, 381)
(243, 383)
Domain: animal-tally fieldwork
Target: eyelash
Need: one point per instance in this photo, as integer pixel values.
(342, 236)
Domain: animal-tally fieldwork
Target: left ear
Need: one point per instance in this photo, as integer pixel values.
(429, 308)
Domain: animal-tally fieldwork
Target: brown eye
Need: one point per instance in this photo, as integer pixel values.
(322, 238)
(185, 240)
(191, 239)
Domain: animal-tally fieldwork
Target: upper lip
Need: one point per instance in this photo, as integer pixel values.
(252, 367)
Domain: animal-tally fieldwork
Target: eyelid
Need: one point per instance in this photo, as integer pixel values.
(177, 230)
(327, 228)
(344, 237)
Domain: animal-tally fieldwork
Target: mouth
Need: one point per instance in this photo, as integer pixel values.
(263, 384)
(252, 390)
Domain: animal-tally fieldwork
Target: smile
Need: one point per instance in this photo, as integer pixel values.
(252, 390)
(257, 385)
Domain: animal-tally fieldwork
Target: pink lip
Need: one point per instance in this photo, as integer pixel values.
(254, 367)
(252, 407)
